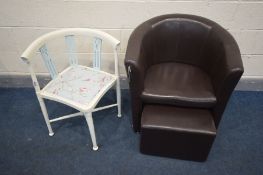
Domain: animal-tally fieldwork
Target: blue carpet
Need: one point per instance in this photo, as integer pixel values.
(26, 148)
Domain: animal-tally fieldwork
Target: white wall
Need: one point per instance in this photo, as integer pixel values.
(21, 21)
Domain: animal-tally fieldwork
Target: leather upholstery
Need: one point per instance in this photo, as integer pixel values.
(178, 119)
(181, 133)
(178, 84)
(207, 56)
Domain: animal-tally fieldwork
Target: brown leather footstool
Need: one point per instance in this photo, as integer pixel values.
(182, 133)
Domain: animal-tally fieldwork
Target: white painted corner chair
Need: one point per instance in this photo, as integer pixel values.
(77, 86)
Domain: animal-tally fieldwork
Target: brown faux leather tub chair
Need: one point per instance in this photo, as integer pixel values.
(182, 70)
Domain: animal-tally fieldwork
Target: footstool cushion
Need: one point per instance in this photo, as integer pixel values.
(184, 133)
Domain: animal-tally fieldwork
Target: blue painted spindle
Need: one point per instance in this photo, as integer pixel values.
(48, 61)
(71, 46)
(97, 53)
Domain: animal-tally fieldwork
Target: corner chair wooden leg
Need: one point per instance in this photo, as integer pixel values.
(89, 120)
(45, 114)
(118, 92)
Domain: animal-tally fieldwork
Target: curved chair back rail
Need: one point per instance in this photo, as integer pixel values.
(34, 46)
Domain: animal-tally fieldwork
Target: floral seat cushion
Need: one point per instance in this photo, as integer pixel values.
(79, 85)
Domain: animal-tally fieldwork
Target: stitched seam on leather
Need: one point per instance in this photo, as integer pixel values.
(181, 130)
(173, 97)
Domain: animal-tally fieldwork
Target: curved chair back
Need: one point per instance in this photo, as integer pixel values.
(69, 34)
